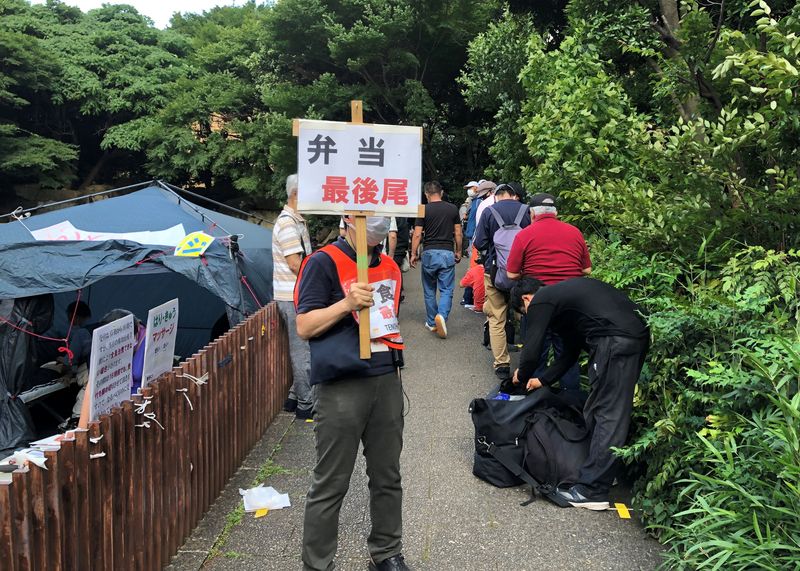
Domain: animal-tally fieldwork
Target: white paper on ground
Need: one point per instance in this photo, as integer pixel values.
(261, 497)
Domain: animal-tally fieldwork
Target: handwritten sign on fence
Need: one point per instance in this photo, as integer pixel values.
(346, 167)
(162, 330)
(110, 366)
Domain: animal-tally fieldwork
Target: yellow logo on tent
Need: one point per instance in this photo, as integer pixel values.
(194, 245)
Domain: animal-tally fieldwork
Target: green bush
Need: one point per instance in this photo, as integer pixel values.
(716, 444)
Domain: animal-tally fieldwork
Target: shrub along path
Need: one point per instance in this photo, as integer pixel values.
(452, 520)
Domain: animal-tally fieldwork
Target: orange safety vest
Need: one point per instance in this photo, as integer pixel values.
(347, 271)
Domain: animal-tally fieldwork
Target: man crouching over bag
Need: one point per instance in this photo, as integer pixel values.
(592, 315)
(355, 400)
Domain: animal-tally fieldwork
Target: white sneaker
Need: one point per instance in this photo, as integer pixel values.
(468, 306)
(430, 328)
(441, 326)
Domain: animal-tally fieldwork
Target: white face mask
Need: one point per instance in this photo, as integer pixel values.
(377, 229)
(471, 193)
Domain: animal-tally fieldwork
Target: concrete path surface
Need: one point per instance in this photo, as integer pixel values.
(452, 520)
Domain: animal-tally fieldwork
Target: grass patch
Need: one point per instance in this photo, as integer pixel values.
(234, 518)
(268, 469)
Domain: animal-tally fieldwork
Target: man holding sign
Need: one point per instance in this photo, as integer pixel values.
(355, 400)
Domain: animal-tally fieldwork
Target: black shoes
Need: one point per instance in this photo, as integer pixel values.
(307, 414)
(503, 373)
(290, 405)
(578, 500)
(396, 563)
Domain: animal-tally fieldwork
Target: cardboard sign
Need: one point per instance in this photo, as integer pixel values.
(66, 231)
(162, 330)
(382, 317)
(110, 366)
(346, 167)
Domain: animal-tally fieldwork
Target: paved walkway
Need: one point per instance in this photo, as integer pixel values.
(452, 520)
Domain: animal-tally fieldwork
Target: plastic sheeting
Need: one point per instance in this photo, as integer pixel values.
(17, 364)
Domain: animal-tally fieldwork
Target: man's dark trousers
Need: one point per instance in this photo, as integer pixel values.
(614, 367)
(347, 412)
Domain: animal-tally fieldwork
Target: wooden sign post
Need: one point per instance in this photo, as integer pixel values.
(362, 255)
(359, 170)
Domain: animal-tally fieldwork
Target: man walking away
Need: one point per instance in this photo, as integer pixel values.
(441, 228)
(592, 315)
(356, 401)
(290, 244)
(514, 216)
(550, 251)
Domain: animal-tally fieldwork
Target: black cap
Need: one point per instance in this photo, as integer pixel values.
(543, 199)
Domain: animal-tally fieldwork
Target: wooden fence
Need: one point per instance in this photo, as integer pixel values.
(122, 496)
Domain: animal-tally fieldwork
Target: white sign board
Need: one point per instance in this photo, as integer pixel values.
(66, 231)
(351, 167)
(110, 366)
(162, 330)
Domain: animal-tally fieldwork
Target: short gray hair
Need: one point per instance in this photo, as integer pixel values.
(539, 210)
(291, 185)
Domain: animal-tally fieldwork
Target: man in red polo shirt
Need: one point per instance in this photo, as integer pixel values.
(550, 251)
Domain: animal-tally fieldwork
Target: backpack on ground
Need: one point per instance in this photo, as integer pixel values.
(540, 440)
(503, 239)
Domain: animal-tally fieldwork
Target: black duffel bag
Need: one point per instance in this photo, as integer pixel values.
(540, 440)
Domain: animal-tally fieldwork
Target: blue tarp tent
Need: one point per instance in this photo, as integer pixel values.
(139, 276)
(135, 272)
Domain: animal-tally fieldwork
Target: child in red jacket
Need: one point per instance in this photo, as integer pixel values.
(474, 279)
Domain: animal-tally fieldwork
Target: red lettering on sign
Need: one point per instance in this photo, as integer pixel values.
(365, 191)
(335, 189)
(395, 190)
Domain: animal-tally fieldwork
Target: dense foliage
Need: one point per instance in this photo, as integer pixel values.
(210, 100)
(668, 130)
(669, 133)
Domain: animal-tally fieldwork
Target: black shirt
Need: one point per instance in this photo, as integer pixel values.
(487, 226)
(578, 309)
(335, 353)
(438, 226)
(402, 237)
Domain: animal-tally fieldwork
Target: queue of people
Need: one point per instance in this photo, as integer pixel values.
(522, 259)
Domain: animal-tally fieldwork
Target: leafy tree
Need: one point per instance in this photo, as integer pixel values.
(29, 150)
(308, 58)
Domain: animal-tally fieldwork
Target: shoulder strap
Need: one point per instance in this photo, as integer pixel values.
(519, 471)
(497, 217)
(299, 231)
(520, 214)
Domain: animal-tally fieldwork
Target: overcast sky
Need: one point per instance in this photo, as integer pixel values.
(159, 10)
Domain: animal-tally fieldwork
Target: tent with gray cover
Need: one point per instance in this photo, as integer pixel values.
(120, 253)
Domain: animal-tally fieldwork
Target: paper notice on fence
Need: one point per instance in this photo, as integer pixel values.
(110, 366)
(162, 330)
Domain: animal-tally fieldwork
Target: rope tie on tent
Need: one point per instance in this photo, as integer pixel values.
(250, 289)
(141, 408)
(186, 396)
(151, 258)
(19, 216)
(65, 340)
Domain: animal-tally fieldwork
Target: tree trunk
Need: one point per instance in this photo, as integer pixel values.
(95, 170)
(670, 14)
